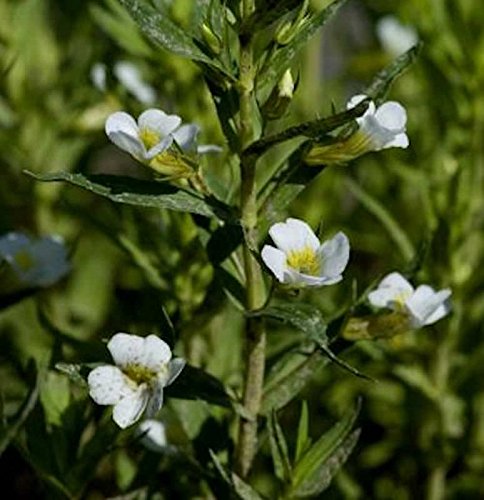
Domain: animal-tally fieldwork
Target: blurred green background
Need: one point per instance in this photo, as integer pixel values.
(419, 210)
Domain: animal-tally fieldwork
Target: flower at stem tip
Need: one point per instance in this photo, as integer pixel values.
(422, 306)
(300, 260)
(134, 384)
(378, 128)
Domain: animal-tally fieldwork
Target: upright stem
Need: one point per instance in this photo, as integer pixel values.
(255, 334)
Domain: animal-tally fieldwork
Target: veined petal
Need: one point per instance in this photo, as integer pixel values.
(294, 234)
(126, 349)
(186, 136)
(159, 122)
(130, 408)
(275, 260)
(334, 255)
(392, 116)
(175, 367)
(108, 385)
(155, 353)
(425, 302)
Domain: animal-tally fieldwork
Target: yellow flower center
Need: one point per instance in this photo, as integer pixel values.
(24, 260)
(304, 261)
(149, 137)
(400, 300)
(139, 373)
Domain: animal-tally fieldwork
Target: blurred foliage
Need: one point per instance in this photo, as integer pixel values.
(151, 270)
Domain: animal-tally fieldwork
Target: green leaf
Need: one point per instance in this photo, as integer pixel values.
(318, 465)
(303, 441)
(122, 189)
(383, 80)
(195, 383)
(161, 30)
(276, 65)
(239, 487)
(280, 455)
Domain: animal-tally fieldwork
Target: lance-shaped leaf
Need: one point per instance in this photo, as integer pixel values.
(162, 31)
(314, 471)
(275, 67)
(303, 440)
(280, 455)
(383, 80)
(239, 487)
(122, 189)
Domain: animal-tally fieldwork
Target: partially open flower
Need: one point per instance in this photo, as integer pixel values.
(300, 259)
(35, 263)
(423, 305)
(134, 386)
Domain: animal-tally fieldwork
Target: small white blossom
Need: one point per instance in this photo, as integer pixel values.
(146, 138)
(422, 305)
(134, 386)
(130, 77)
(153, 435)
(395, 37)
(98, 76)
(36, 263)
(300, 259)
(382, 127)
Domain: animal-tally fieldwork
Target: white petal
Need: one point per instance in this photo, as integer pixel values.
(175, 368)
(159, 122)
(123, 131)
(296, 278)
(440, 312)
(275, 260)
(153, 434)
(155, 400)
(399, 141)
(156, 353)
(294, 234)
(334, 255)
(392, 116)
(355, 100)
(130, 408)
(108, 385)
(186, 136)
(126, 349)
(392, 288)
(203, 149)
(425, 302)
(163, 145)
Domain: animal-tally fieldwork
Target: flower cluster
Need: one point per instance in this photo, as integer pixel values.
(134, 384)
(299, 259)
(422, 306)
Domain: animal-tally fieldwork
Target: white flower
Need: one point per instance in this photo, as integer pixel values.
(153, 435)
(380, 128)
(300, 259)
(395, 37)
(98, 76)
(143, 367)
(130, 77)
(150, 136)
(36, 263)
(422, 305)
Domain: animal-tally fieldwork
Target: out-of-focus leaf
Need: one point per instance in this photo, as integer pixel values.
(303, 441)
(239, 487)
(195, 383)
(223, 242)
(317, 466)
(276, 65)
(122, 189)
(161, 30)
(383, 80)
(280, 455)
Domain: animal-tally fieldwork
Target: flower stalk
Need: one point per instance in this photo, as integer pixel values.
(254, 330)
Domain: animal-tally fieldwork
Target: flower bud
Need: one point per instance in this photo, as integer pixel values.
(280, 98)
(381, 326)
(211, 39)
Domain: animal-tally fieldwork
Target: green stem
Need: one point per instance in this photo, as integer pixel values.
(255, 333)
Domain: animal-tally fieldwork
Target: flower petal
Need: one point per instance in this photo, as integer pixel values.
(159, 122)
(296, 278)
(294, 234)
(392, 288)
(156, 353)
(186, 136)
(130, 408)
(392, 116)
(126, 349)
(162, 146)
(334, 255)
(122, 130)
(355, 100)
(399, 141)
(425, 303)
(203, 149)
(155, 400)
(275, 260)
(153, 435)
(175, 366)
(108, 385)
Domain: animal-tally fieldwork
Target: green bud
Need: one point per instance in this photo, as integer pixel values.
(288, 29)
(211, 39)
(280, 98)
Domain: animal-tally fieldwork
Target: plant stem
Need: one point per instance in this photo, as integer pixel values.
(255, 333)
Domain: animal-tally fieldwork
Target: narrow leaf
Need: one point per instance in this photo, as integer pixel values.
(122, 189)
(303, 440)
(280, 455)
